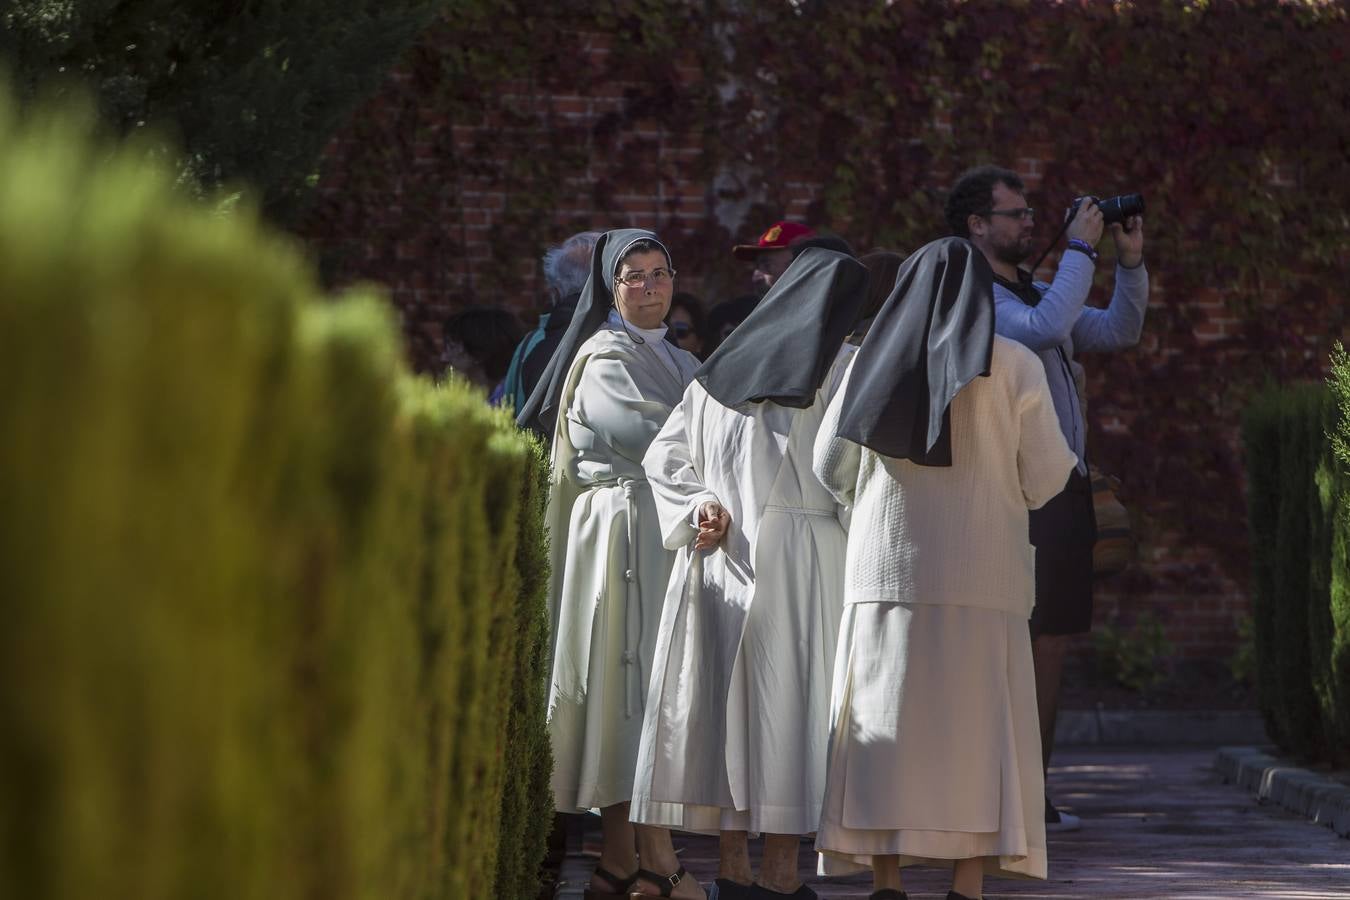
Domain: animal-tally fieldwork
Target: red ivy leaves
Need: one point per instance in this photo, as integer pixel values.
(1230, 116)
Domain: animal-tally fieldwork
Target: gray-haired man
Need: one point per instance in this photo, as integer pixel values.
(566, 267)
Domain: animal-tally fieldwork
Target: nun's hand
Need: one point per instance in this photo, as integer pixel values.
(713, 521)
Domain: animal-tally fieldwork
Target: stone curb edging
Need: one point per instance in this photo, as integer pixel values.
(1300, 791)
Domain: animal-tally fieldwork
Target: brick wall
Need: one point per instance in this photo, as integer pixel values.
(421, 204)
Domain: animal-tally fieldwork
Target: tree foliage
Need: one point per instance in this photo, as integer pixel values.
(250, 91)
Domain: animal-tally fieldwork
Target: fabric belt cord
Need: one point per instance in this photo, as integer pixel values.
(799, 511)
(632, 646)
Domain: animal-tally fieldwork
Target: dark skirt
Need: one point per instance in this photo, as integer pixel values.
(1063, 531)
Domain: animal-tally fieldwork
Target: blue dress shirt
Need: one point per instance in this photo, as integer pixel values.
(1061, 324)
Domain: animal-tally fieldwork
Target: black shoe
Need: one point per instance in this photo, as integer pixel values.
(760, 892)
(888, 894)
(726, 889)
(1058, 820)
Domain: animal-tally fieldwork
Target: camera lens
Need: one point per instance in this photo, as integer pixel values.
(1118, 209)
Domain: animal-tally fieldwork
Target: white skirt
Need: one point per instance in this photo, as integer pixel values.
(607, 626)
(768, 774)
(936, 750)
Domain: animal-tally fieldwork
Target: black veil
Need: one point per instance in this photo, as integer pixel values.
(785, 347)
(933, 336)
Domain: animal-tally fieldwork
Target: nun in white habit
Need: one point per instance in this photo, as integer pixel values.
(942, 437)
(737, 721)
(606, 393)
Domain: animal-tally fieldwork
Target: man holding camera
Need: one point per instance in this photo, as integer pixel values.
(988, 206)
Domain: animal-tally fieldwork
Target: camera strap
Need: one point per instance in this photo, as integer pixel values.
(1068, 220)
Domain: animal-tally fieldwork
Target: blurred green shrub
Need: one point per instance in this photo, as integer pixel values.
(1333, 490)
(1261, 440)
(1299, 514)
(1242, 664)
(1300, 445)
(1133, 658)
(250, 92)
(273, 607)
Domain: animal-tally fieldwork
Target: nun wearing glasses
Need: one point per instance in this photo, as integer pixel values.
(605, 395)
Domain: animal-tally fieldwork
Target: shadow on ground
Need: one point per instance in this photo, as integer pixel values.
(1156, 823)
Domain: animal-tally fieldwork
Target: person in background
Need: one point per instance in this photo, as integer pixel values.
(771, 254)
(724, 318)
(988, 206)
(566, 267)
(686, 323)
(882, 266)
(478, 344)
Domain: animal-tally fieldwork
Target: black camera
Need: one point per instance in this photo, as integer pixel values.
(1115, 209)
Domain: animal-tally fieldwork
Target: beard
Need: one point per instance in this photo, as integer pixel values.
(1014, 251)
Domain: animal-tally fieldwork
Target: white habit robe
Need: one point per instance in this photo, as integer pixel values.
(609, 567)
(737, 722)
(936, 751)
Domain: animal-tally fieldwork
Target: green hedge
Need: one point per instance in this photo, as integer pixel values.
(1299, 513)
(1333, 679)
(274, 614)
(1261, 437)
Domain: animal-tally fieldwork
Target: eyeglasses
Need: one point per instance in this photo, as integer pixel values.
(1024, 213)
(682, 329)
(638, 279)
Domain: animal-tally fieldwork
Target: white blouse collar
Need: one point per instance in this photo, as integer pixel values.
(617, 322)
(653, 338)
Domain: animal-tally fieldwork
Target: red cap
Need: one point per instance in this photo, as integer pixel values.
(780, 236)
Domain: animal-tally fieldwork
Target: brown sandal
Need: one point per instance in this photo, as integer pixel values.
(667, 882)
(623, 885)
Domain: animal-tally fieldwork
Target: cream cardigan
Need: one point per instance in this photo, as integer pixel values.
(954, 535)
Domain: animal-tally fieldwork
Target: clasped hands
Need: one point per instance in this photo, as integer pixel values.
(713, 521)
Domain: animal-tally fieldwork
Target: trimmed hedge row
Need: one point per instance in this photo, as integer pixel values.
(1299, 511)
(274, 613)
